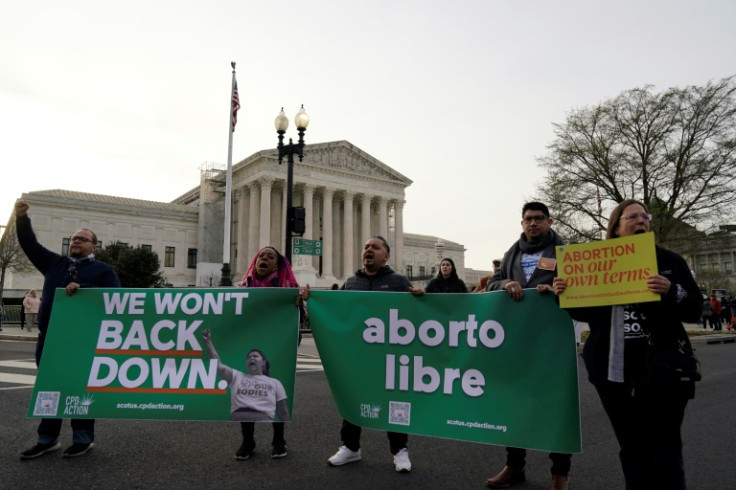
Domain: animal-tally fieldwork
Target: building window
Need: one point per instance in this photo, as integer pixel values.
(714, 266)
(408, 271)
(727, 267)
(147, 247)
(421, 271)
(192, 258)
(65, 246)
(169, 256)
(434, 269)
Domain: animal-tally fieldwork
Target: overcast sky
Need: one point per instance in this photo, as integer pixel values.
(132, 98)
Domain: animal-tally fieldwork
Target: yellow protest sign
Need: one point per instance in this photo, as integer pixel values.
(608, 272)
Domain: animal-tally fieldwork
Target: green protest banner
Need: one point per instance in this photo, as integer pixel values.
(141, 354)
(474, 367)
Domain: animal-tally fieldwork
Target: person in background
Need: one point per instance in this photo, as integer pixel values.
(725, 312)
(483, 283)
(716, 311)
(707, 314)
(529, 263)
(31, 305)
(78, 270)
(447, 280)
(645, 408)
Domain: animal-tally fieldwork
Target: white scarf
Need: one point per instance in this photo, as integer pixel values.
(616, 346)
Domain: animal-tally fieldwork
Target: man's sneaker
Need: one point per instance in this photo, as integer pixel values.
(344, 456)
(279, 451)
(401, 461)
(77, 449)
(39, 450)
(244, 451)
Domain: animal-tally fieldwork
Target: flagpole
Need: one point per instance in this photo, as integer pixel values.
(225, 280)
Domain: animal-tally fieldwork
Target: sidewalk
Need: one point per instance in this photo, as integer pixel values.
(13, 332)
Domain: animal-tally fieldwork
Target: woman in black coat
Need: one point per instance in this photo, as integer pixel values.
(447, 280)
(645, 406)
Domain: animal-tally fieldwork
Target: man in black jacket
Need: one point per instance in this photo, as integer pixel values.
(374, 276)
(77, 270)
(529, 263)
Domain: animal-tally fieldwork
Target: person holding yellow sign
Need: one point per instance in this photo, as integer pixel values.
(628, 356)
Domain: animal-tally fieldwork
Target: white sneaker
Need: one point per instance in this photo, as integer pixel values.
(401, 461)
(344, 456)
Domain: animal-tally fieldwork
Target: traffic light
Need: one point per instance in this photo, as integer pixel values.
(298, 216)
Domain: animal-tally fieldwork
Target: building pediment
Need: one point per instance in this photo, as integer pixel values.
(339, 158)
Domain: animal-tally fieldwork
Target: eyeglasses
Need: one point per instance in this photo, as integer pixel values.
(82, 239)
(633, 216)
(536, 219)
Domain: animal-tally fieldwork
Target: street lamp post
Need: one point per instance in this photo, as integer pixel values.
(439, 248)
(282, 123)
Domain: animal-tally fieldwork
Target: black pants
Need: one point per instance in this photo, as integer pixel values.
(516, 459)
(647, 424)
(248, 429)
(350, 434)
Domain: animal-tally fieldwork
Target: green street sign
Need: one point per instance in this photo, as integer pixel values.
(302, 246)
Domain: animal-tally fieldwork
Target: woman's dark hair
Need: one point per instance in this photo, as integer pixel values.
(266, 364)
(615, 219)
(453, 272)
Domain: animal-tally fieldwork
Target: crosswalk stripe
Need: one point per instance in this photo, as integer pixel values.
(17, 378)
(19, 364)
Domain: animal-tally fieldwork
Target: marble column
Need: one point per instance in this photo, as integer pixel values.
(327, 224)
(383, 218)
(365, 219)
(308, 193)
(399, 236)
(348, 244)
(253, 225)
(242, 233)
(264, 237)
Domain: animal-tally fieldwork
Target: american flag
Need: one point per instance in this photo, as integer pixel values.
(234, 106)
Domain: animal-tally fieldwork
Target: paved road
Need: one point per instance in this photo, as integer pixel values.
(149, 454)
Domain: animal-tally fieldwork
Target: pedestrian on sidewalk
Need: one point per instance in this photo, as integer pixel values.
(707, 314)
(31, 305)
(716, 304)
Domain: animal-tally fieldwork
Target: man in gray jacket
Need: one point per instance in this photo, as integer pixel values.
(529, 263)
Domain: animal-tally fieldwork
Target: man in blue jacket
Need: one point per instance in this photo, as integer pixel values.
(78, 270)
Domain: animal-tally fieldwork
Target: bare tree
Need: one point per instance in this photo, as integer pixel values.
(674, 150)
(12, 257)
